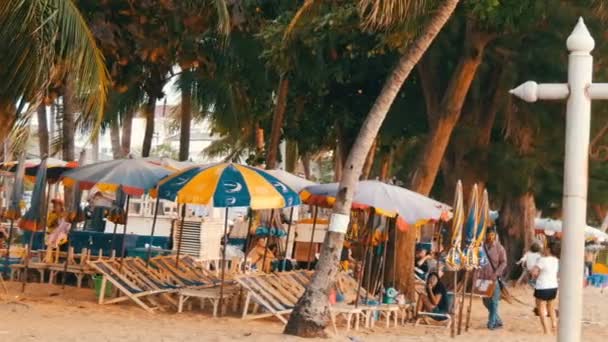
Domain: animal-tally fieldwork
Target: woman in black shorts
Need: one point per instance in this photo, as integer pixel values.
(545, 292)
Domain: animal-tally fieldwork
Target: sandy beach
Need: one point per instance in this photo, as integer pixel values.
(48, 313)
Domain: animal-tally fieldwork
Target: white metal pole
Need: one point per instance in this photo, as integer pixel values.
(578, 121)
(579, 91)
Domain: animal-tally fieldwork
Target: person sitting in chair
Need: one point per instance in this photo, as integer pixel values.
(435, 300)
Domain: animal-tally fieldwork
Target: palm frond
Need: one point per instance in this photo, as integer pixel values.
(231, 148)
(46, 40)
(305, 12)
(223, 17)
(383, 14)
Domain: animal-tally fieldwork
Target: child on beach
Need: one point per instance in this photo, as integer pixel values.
(545, 289)
(528, 261)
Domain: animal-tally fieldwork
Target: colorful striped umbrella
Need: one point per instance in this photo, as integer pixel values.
(453, 258)
(169, 163)
(226, 185)
(13, 211)
(469, 259)
(136, 176)
(388, 200)
(297, 183)
(54, 168)
(484, 222)
(33, 219)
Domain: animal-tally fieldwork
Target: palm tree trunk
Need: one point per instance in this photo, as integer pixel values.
(291, 158)
(127, 127)
(186, 119)
(309, 317)
(115, 139)
(277, 123)
(43, 130)
(95, 148)
(306, 166)
(338, 163)
(149, 110)
(444, 120)
(68, 129)
(369, 161)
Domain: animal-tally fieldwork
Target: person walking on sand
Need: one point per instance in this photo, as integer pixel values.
(493, 271)
(545, 289)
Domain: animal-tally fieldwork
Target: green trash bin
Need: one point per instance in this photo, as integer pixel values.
(97, 284)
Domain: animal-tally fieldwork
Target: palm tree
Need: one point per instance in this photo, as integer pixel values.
(35, 38)
(43, 130)
(309, 317)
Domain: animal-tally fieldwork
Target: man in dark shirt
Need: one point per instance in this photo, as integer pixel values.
(493, 271)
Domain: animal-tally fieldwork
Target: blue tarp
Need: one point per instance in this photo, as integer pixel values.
(95, 241)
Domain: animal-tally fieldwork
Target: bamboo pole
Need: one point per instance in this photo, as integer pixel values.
(364, 262)
(470, 308)
(225, 239)
(287, 238)
(267, 240)
(453, 325)
(123, 245)
(462, 301)
(27, 262)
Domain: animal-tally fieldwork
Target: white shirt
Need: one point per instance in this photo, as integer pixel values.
(530, 259)
(547, 278)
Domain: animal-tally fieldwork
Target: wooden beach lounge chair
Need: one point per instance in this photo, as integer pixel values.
(211, 295)
(131, 284)
(186, 272)
(278, 294)
(80, 269)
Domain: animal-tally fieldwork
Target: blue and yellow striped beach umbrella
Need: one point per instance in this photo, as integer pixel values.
(469, 259)
(484, 222)
(454, 257)
(226, 185)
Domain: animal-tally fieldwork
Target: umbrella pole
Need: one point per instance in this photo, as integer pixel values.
(124, 234)
(113, 236)
(395, 253)
(225, 239)
(363, 263)
(462, 301)
(8, 248)
(453, 325)
(312, 235)
(46, 211)
(287, 238)
(152, 232)
(380, 279)
(27, 262)
(267, 240)
(247, 236)
(470, 308)
(181, 235)
(370, 252)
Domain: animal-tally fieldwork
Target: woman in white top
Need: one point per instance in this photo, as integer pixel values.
(545, 272)
(528, 261)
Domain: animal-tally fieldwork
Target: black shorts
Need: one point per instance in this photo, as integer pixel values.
(545, 294)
